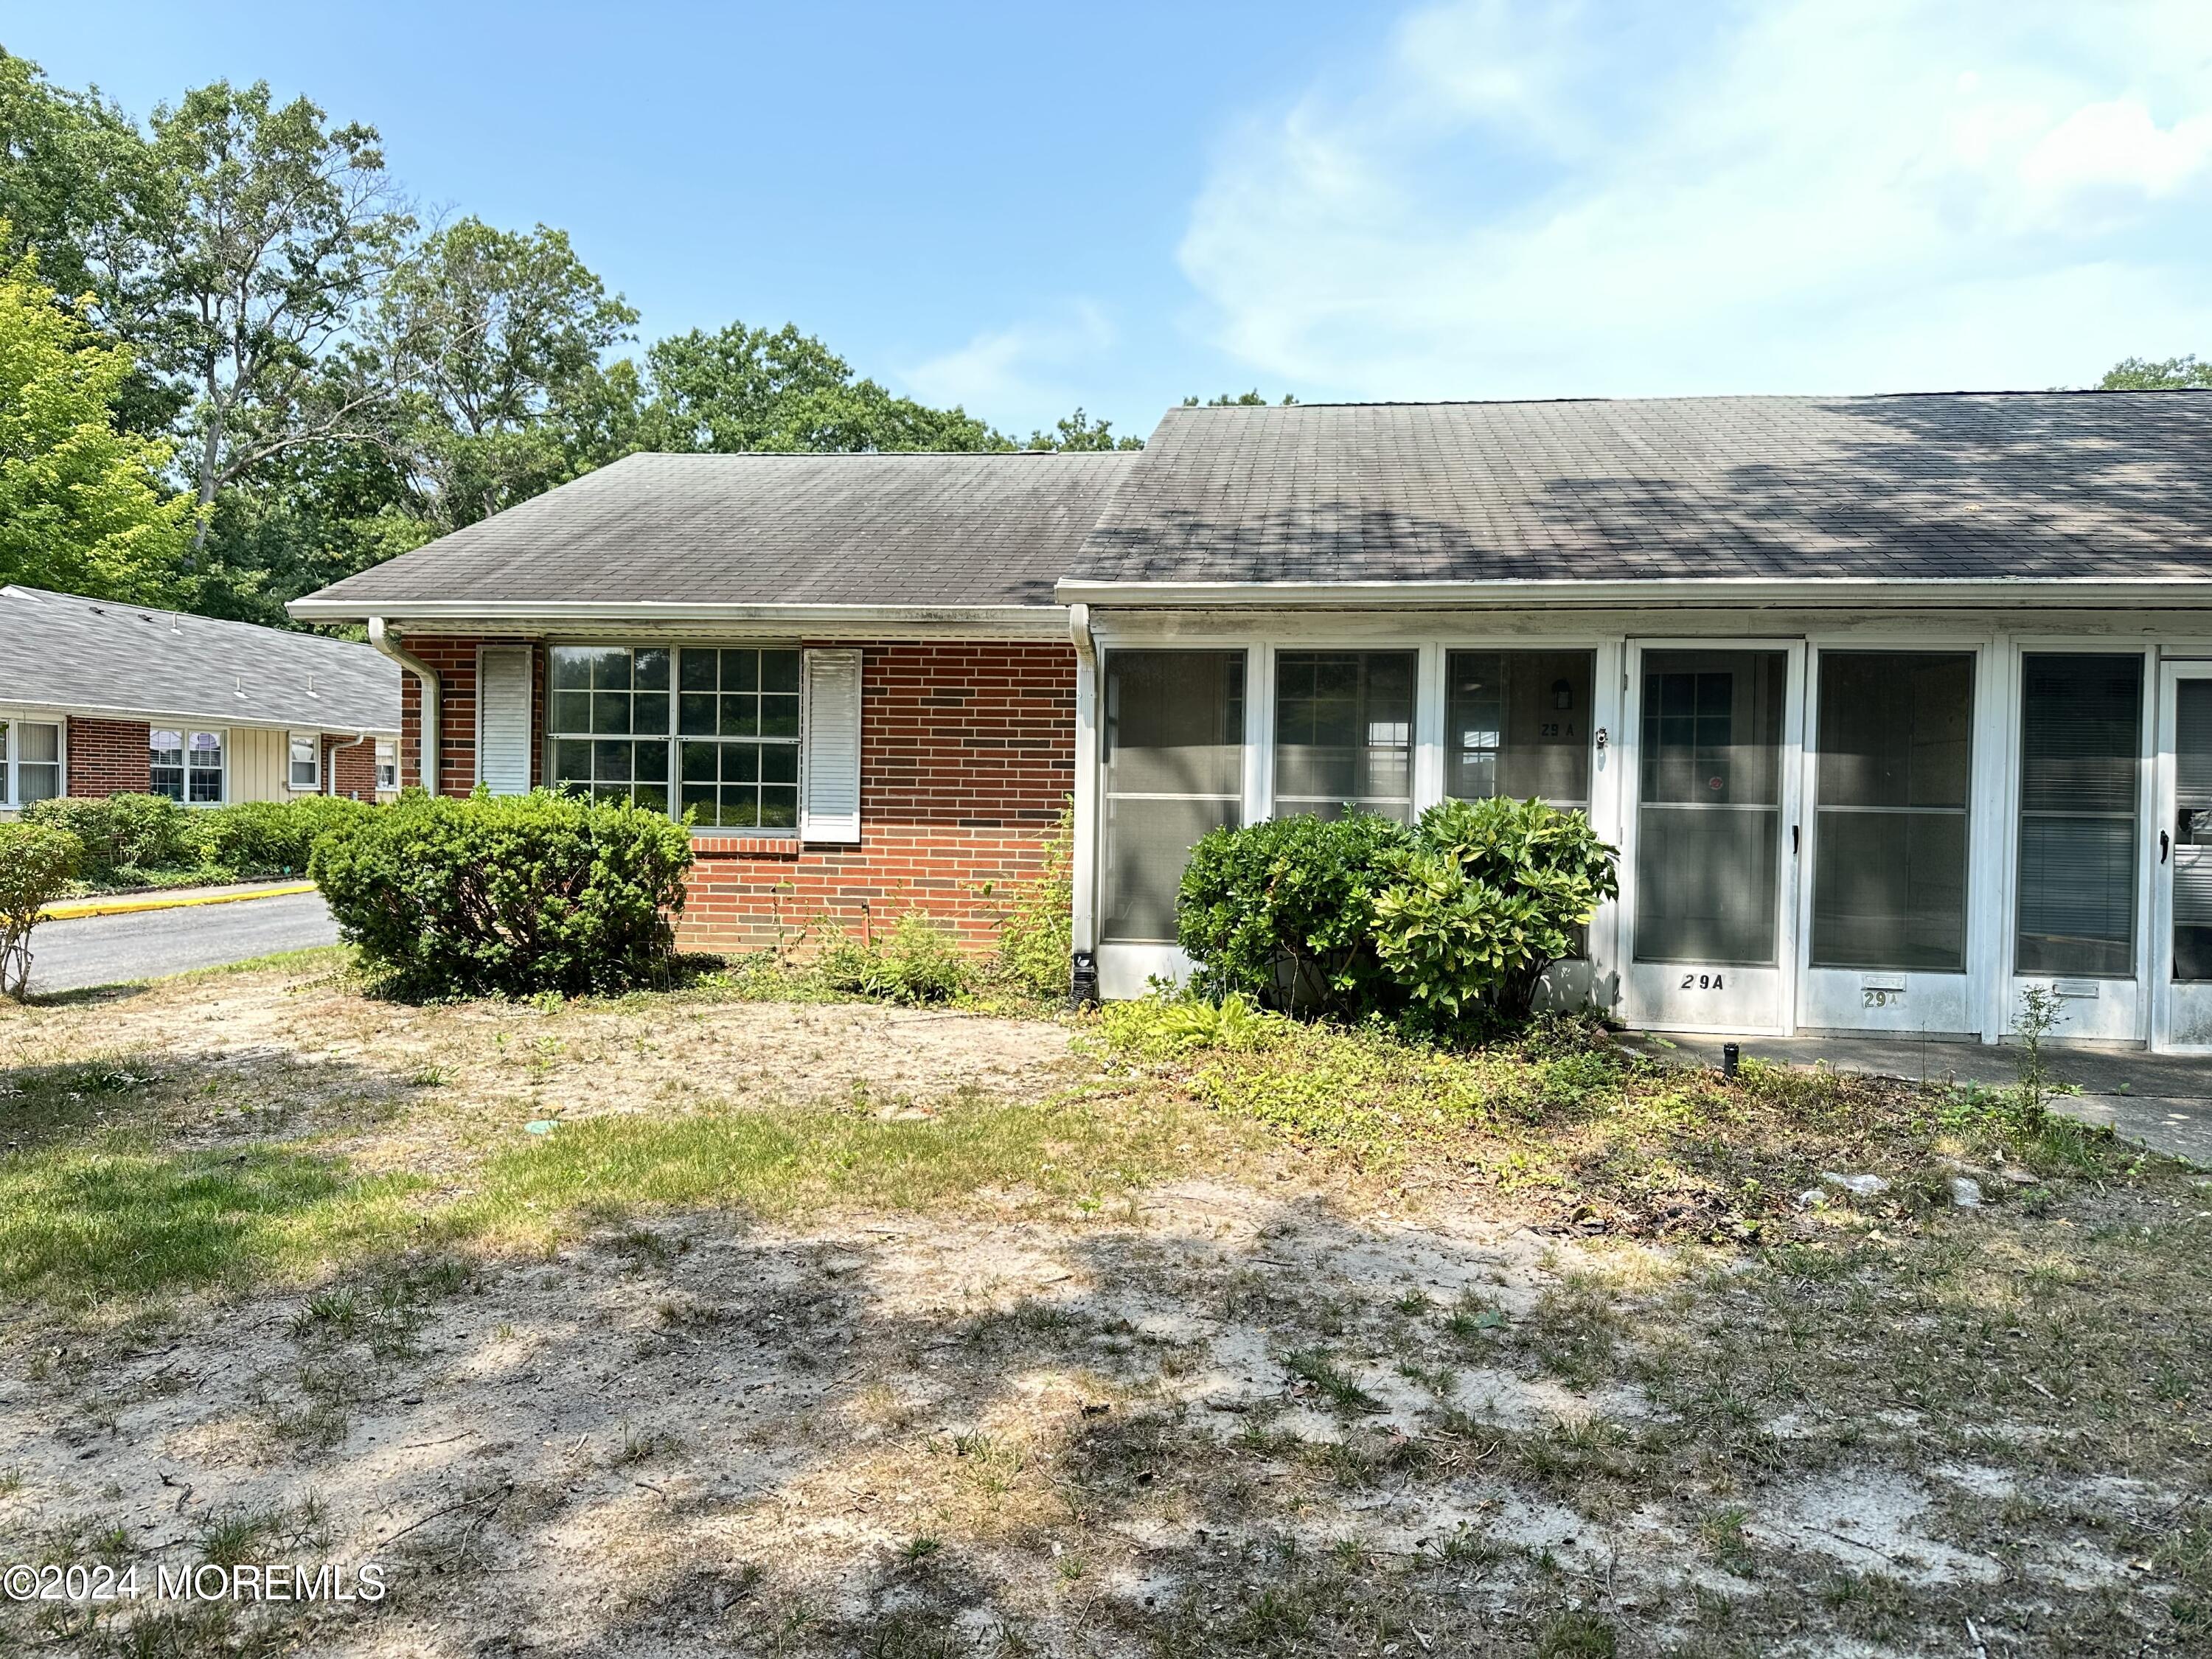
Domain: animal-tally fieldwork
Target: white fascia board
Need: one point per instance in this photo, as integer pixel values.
(1855, 591)
(316, 720)
(983, 620)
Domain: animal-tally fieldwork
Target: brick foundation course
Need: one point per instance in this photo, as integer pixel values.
(108, 758)
(967, 761)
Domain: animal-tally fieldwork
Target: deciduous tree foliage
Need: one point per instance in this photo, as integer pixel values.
(339, 386)
(80, 505)
(2167, 375)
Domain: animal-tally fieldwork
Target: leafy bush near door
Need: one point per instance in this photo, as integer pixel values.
(1450, 922)
(508, 895)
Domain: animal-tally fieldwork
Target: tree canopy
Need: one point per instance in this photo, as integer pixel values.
(292, 378)
(81, 510)
(2166, 374)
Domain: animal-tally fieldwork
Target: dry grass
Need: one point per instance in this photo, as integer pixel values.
(1197, 1349)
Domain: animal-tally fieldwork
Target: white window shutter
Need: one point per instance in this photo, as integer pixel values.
(503, 719)
(829, 730)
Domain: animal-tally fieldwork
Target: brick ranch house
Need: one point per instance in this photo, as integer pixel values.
(99, 699)
(1894, 706)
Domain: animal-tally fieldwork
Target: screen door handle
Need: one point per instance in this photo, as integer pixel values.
(2165, 845)
(1795, 830)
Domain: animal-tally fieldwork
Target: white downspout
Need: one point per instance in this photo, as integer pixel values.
(1084, 937)
(382, 636)
(332, 781)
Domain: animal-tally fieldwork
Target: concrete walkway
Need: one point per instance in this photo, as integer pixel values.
(2165, 1101)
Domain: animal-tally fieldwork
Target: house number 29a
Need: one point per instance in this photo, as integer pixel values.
(1705, 982)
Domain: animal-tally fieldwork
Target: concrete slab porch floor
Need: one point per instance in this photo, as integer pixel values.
(2165, 1101)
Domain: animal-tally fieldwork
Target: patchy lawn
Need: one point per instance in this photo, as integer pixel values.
(702, 1324)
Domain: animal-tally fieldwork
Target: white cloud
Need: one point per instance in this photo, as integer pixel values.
(1540, 199)
(1013, 376)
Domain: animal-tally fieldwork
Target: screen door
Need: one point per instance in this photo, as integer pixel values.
(1713, 908)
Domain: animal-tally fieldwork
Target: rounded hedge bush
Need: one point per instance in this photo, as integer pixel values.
(508, 895)
(1452, 920)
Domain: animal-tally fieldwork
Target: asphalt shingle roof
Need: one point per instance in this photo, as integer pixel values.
(96, 656)
(920, 530)
(2044, 486)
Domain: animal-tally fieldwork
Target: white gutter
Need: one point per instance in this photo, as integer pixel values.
(1039, 621)
(1856, 591)
(1083, 926)
(359, 739)
(382, 636)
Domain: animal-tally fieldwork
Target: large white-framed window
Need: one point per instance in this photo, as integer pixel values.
(30, 761)
(711, 731)
(387, 763)
(303, 765)
(2081, 772)
(188, 766)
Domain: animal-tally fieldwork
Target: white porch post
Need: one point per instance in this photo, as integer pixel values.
(1084, 937)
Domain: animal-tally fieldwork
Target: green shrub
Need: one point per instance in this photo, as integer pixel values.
(126, 831)
(509, 894)
(36, 862)
(1450, 922)
(266, 837)
(1036, 938)
(1281, 910)
(917, 964)
(1498, 893)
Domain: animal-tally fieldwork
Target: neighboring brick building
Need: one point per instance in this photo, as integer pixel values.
(101, 699)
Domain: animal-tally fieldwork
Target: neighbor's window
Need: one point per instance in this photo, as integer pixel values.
(1173, 744)
(387, 763)
(1517, 724)
(306, 774)
(712, 732)
(1344, 732)
(30, 761)
(186, 766)
(2081, 750)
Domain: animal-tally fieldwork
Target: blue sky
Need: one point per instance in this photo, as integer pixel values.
(1022, 208)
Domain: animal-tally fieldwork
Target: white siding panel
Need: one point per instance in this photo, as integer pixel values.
(503, 719)
(830, 767)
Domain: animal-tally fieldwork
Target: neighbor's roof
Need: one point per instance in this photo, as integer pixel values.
(698, 532)
(96, 657)
(1966, 487)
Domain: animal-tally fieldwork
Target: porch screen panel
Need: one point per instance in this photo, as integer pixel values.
(1172, 738)
(1344, 732)
(2193, 831)
(1708, 821)
(1516, 723)
(2080, 769)
(1895, 747)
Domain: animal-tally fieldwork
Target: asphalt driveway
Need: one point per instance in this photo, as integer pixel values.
(69, 956)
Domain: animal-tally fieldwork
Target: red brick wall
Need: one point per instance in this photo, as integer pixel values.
(348, 767)
(108, 758)
(967, 759)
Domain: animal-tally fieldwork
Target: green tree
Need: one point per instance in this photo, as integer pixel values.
(266, 229)
(746, 389)
(1079, 432)
(2143, 374)
(1251, 399)
(81, 510)
(485, 329)
(69, 164)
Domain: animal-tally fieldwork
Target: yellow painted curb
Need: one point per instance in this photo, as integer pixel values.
(77, 909)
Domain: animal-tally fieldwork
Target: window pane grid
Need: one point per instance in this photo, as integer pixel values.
(711, 731)
(1344, 724)
(2080, 766)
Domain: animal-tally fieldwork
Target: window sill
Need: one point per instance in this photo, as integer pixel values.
(737, 844)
